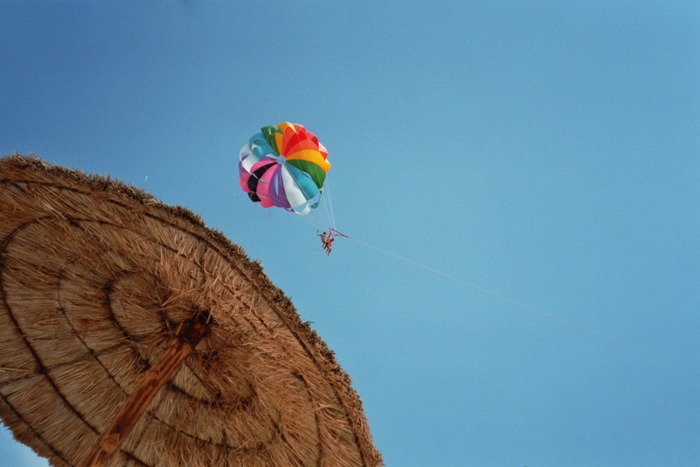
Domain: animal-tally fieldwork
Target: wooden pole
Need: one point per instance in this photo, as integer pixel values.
(188, 336)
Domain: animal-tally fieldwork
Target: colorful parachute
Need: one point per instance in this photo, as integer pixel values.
(284, 166)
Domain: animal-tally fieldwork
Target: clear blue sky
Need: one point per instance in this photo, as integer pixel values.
(547, 151)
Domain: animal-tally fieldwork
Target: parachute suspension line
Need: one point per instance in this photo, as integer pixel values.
(539, 311)
(318, 218)
(328, 204)
(322, 217)
(315, 219)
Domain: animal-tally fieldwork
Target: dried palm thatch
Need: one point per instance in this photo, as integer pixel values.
(99, 281)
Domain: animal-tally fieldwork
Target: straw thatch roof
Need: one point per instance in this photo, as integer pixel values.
(97, 278)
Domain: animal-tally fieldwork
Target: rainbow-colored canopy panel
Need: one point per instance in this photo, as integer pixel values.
(284, 166)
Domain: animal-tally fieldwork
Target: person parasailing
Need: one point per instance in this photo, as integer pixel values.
(327, 241)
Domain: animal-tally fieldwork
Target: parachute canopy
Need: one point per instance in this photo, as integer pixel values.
(284, 166)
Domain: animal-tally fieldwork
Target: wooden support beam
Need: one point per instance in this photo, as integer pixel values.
(188, 336)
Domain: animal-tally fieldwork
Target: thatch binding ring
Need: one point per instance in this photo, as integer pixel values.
(97, 278)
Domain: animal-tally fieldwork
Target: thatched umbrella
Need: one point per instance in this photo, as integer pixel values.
(131, 334)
